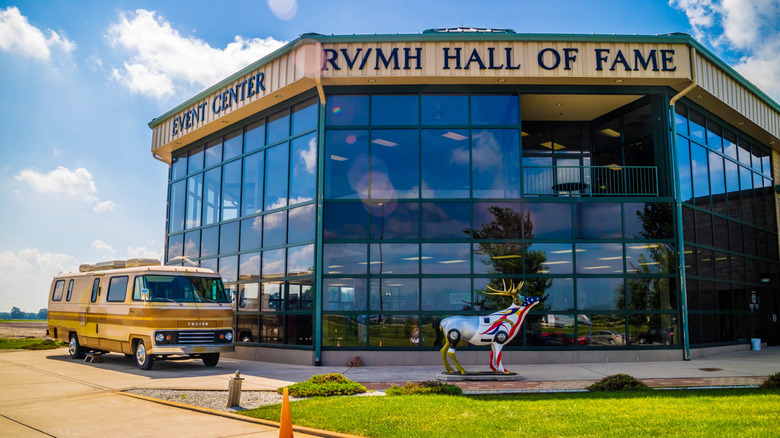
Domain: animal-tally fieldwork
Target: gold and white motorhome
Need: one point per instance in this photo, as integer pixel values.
(143, 310)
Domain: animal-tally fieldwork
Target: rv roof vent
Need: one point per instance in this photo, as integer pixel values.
(134, 263)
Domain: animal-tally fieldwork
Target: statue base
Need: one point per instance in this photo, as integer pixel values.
(479, 376)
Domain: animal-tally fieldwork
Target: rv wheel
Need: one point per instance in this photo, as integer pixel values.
(143, 360)
(76, 351)
(210, 360)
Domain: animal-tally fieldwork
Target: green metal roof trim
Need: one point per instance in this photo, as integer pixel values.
(432, 35)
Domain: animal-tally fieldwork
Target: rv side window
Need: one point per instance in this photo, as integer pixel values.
(95, 289)
(70, 290)
(117, 289)
(139, 285)
(58, 288)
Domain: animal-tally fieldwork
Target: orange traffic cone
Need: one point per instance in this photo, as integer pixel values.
(285, 423)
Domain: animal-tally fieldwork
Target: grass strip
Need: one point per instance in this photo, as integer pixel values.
(29, 344)
(695, 413)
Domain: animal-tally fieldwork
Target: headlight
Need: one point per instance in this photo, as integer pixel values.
(229, 336)
(159, 338)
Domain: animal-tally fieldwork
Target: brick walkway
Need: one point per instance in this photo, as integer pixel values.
(524, 385)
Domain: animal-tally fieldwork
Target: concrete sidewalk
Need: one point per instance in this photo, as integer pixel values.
(45, 393)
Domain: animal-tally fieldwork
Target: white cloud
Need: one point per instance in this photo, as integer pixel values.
(103, 248)
(745, 31)
(63, 181)
(164, 61)
(26, 277)
(143, 252)
(19, 36)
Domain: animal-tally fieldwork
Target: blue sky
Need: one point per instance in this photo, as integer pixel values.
(79, 81)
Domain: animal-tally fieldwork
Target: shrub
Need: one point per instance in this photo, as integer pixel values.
(773, 382)
(324, 386)
(618, 382)
(427, 387)
(45, 345)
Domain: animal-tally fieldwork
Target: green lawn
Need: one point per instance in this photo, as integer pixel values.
(29, 344)
(700, 413)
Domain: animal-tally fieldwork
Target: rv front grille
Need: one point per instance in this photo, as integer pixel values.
(197, 337)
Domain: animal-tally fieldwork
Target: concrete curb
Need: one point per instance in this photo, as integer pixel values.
(301, 429)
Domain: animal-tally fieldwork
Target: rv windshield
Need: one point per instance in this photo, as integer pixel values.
(182, 289)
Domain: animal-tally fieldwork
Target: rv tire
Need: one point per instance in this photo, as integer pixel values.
(143, 360)
(76, 351)
(211, 359)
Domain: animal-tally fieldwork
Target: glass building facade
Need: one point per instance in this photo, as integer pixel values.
(358, 218)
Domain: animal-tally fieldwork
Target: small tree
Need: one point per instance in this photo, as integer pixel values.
(43, 313)
(16, 313)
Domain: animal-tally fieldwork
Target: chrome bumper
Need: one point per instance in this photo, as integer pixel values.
(191, 349)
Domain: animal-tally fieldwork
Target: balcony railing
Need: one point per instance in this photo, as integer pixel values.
(590, 180)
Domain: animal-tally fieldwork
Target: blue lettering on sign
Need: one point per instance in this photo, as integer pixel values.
(556, 59)
(242, 90)
(188, 119)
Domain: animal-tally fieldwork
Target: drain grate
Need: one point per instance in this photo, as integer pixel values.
(710, 369)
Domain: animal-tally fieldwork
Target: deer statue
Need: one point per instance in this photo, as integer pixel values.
(496, 329)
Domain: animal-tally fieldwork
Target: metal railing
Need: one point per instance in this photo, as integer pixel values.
(590, 180)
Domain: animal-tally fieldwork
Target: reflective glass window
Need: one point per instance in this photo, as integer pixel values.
(252, 184)
(175, 246)
(638, 123)
(248, 298)
(276, 176)
(445, 109)
(500, 220)
(537, 138)
(346, 110)
(394, 294)
(300, 295)
(717, 183)
(446, 258)
(278, 126)
(714, 136)
(209, 242)
(178, 167)
(495, 167)
(228, 238)
(344, 330)
(730, 144)
(701, 179)
(394, 331)
(556, 293)
(681, 118)
(211, 195)
(603, 331)
(210, 264)
(345, 258)
(228, 268)
(273, 263)
(446, 294)
(194, 201)
(117, 289)
(344, 294)
(732, 189)
(271, 329)
(346, 164)
(569, 140)
(599, 258)
(251, 232)
(746, 186)
(445, 163)
(696, 126)
(303, 169)
(498, 258)
(254, 137)
(345, 221)
(272, 296)
(213, 153)
(249, 266)
(608, 139)
(648, 220)
(275, 229)
(231, 190)
(684, 163)
(549, 258)
(176, 214)
(300, 260)
(489, 109)
(703, 228)
(547, 221)
(304, 116)
(234, 144)
(743, 151)
(301, 224)
(601, 220)
(600, 294)
(650, 258)
(298, 329)
(195, 160)
(394, 164)
(394, 220)
(446, 220)
(395, 109)
(394, 258)
(552, 330)
(192, 244)
(653, 329)
(70, 290)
